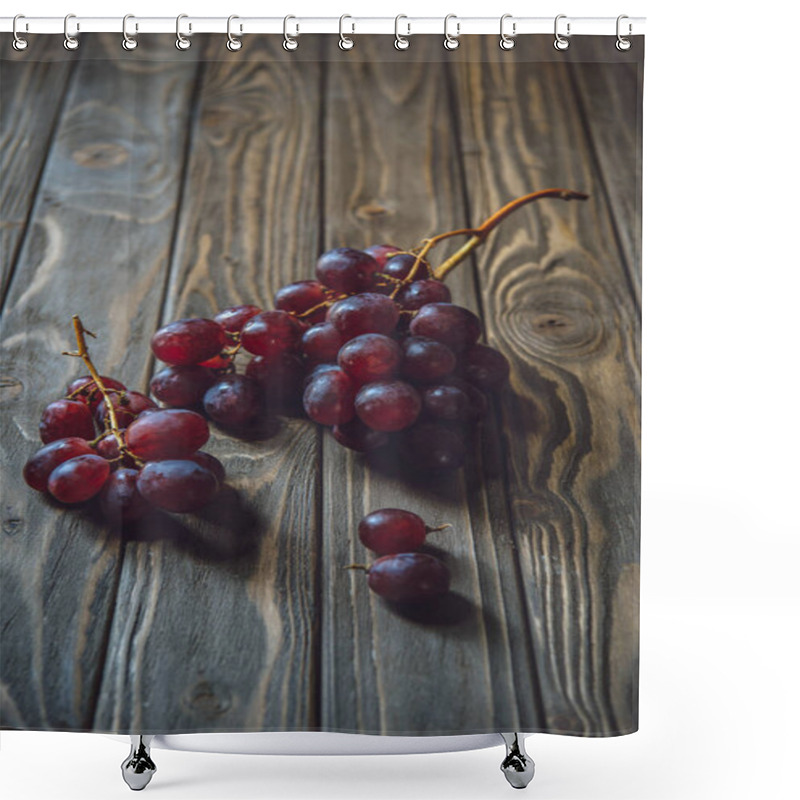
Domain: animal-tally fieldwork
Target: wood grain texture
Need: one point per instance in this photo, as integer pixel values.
(558, 304)
(216, 623)
(95, 246)
(32, 97)
(399, 180)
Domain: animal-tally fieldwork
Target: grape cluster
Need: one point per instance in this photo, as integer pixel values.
(372, 348)
(133, 458)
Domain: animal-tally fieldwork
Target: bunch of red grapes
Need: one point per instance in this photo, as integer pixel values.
(373, 348)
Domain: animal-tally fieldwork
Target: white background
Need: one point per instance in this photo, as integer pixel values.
(720, 603)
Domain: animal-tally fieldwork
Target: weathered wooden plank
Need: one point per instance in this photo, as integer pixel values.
(393, 174)
(559, 305)
(98, 245)
(220, 631)
(31, 96)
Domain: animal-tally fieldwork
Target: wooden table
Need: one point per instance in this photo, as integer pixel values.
(136, 191)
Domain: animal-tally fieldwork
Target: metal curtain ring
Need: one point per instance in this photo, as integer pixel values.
(401, 42)
(234, 42)
(289, 42)
(70, 42)
(345, 42)
(451, 41)
(623, 43)
(506, 40)
(561, 43)
(129, 42)
(18, 43)
(182, 42)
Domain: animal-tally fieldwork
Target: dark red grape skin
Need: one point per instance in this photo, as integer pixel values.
(234, 400)
(318, 370)
(79, 479)
(347, 270)
(321, 343)
(167, 434)
(382, 252)
(280, 380)
(302, 296)
(182, 387)
(452, 325)
(39, 466)
(128, 406)
(108, 448)
(434, 448)
(447, 403)
(188, 341)
(120, 498)
(364, 313)
(233, 319)
(176, 485)
(370, 357)
(478, 404)
(218, 363)
(355, 435)
(392, 530)
(426, 360)
(62, 419)
(84, 390)
(399, 267)
(272, 333)
(388, 405)
(409, 577)
(486, 368)
(209, 462)
(328, 399)
(422, 292)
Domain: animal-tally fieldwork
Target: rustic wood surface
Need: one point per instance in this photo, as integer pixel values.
(173, 186)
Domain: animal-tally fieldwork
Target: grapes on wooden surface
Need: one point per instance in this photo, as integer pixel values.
(79, 479)
(422, 292)
(182, 387)
(364, 313)
(434, 447)
(346, 270)
(39, 466)
(329, 398)
(321, 343)
(272, 333)
(426, 360)
(392, 530)
(63, 419)
(120, 498)
(355, 435)
(370, 357)
(176, 485)
(409, 577)
(486, 368)
(388, 405)
(233, 319)
(85, 390)
(128, 406)
(301, 297)
(449, 324)
(188, 341)
(169, 433)
(234, 400)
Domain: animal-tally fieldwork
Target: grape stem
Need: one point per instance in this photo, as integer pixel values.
(479, 234)
(429, 529)
(83, 353)
(363, 567)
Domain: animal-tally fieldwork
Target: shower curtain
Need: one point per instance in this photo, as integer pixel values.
(320, 386)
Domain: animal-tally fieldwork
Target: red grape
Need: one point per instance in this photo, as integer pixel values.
(78, 479)
(454, 326)
(120, 497)
(168, 433)
(446, 403)
(62, 419)
(183, 387)
(85, 390)
(212, 464)
(485, 367)
(399, 267)
(302, 296)
(280, 380)
(272, 333)
(233, 400)
(108, 448)
(434, 447)
(328, 399)
(392, 530)
(364, 313)
(321, 343)
(347, 270)
(179, 486)
(478, 404)
(421, 293)
(318, 370)
(355, 435)
(408, 577)
(381, 252)
(38, 468)
(370, 357)
(128, 406)
(234, 318)
(188, 341)
(388, 405)
(426, 360)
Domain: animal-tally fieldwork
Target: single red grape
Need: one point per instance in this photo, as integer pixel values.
(426, 360)
(39, 466)
(85, 390)
(233, 319)
(478, 404)
(485, 367)
(381, 252)
(370, 357)
(209, 462)
(272, 333)
(408, 577)
(78, 479)
(447, 403)
(420, 293)
(128, 406)
(280, 379)
(177, 485)
(452, 325)
(233, 400)
(392, 530)
(355, 435)
(168, 433)
(302, 296)
(364, 313)
(188, 341)
(328, 399)
(388, 405)
(434, 447)
(400, 266)
(317, 370)
(62, 419)
(182, 387)
(120, 497)
(346, 270)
